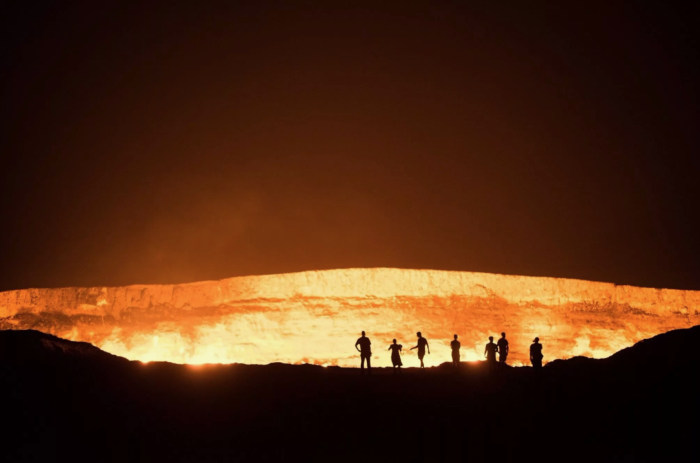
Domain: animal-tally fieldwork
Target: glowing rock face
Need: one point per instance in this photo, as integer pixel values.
(316, 317)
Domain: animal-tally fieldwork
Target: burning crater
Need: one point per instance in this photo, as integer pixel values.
(315, 317)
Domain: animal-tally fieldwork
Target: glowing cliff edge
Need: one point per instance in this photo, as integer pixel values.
(315, 317)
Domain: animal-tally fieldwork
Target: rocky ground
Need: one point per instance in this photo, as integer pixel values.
(70, 400)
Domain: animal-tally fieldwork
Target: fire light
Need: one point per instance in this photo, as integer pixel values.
(315, 317)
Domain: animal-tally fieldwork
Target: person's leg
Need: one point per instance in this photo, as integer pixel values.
(362, 364)
(369, 365)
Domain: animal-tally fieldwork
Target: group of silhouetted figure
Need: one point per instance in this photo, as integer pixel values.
(364, 346)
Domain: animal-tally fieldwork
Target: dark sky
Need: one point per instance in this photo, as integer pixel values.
(147, 142)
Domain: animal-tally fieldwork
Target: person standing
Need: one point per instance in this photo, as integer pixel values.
(422, 345)
(490, 354)
(365, 350)
(396, 356)
(455, 352)
(503, 350)
(536, 354)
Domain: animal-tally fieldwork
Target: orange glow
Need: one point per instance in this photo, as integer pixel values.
(315, 317)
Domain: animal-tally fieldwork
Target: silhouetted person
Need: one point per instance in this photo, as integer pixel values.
(536, 354)
(365, 353)
(455, 352)
(422, 344)
(503, 350)
(396, 356)
(490, 354)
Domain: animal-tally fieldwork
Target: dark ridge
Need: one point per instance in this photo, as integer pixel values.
(666, 351)
(30, 346)
(674, 348)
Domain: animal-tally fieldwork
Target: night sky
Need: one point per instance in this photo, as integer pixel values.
(147, 142)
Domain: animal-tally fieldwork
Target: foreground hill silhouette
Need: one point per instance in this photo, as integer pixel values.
(65, 398)
(32, 348)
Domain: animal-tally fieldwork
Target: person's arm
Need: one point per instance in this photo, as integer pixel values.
(414, 347)
(486, 349)
(427, 345)
(358, 350)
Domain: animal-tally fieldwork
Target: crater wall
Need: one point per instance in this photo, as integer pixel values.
(316, 317)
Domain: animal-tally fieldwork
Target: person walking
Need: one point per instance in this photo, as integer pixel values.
(396, 356)
(365, 350)
(455, 352)
(490, 354)
(503, 350)
(422, 345)
(536, 354)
